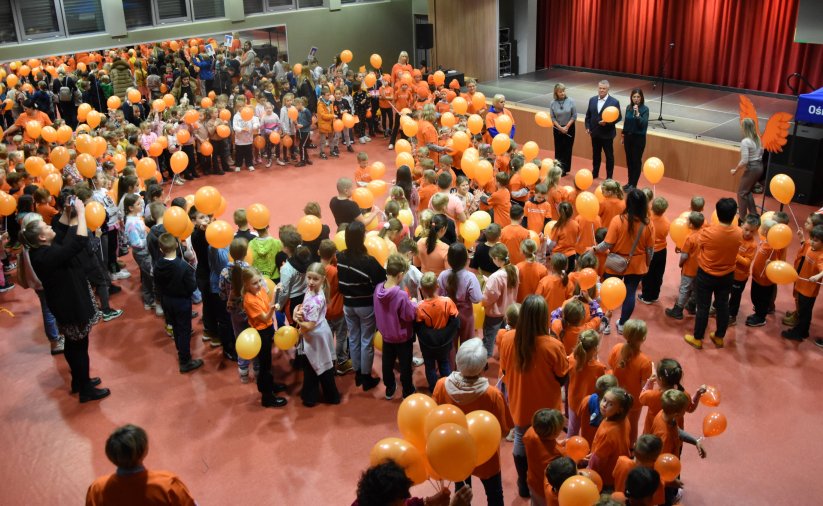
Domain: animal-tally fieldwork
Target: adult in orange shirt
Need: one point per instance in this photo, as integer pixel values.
(718, 245)
(514, 234)
(653, 279)
(630, 237)
(133, 484)
(529, 271)
(534, 368)
(632, 367)
(30, 113)
(612, 438)
(401, 66)
(469, 390)
(431, 250)
(471, 89)
(541, 445)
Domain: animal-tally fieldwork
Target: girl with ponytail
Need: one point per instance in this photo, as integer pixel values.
(431, 250)
(668, 377)
(500, 291)
(529, 270)
(555, 287)
(584, 369)
(463, 288)
(611, 440)
(631, 366)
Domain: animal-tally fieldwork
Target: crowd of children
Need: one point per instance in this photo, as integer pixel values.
(337, 294)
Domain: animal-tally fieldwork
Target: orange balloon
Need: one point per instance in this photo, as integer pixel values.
(53, 183)
(114, 102)
(404, 454)
(363, 198)
(223, 131)
(179, 161)
(292, 113)
(485, 429)
(346, 56)
(451, 451)
(59, 157)
(370, 79)
(714, 424)
(378, 187)
(33, 128)
(225, 114)
(653, 170)
(410, 128)
(594, 476)
(779, 236)
(444, 413)
(612, 293)
(34, 165)
(439, 78)
(274, 138)
(531, 150)
(24, 70)
(258, 216)
(246, 113)
(587, 278)
(86, 165)
(259, 141)
(48, 133)
(219, 234)
(206, 102)
(583, 179)
(159, 105)
(64, 133)
(711, 397)
(338, 125)
(402, 146)
(377, 248)
(287, 141)
(500, 144)
(83, 110)
(12, 80)
(448, 120)
(99, 145)
(119, 160)
(133, 95)
(206, 149)
(459, 105)
(376, 61)
(478, 101)
(309, 227)
(95, 215)
(155, 149)
(220, 208)
(577, 448)
(404, 159)
(668, 466)
(377, 170)
(587, 205)
(191, 117)
(93, 119)
(176, 220)
(183, 136)
(529, 174)
(503, 123)
(475, 124)
(411, 418)
(348, 120)
(484, 172)
(461, 141)
(782, 188)
(543, 119)
(781, 273)
(578, 491)
(610, 114)
(679, 231)
(207, 199)
(8, 204)
(169, 100)
(146, 168)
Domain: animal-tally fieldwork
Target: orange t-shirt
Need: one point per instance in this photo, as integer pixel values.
(386, 96)
(436, 260)
(500, 202)
(812, 265)
(634, 375)
(610, 442)
(402, 99)
(690, 248)
(745, 255)
(609, 208)
(334, 307)
(257, 307)
(515, 184)
(536, 215)
(661, 225)
(537, 386)
(621, 472)
(47, 212)
(581, 383)
(426, 134)
(24, 118)
(362, 175)
(426, 192)
(669, 433)
(435, 312)
(539, 452)
(146, 488)
(587, 228)
(566, 238)
(530, 274)
(762, 257)
(587, 431)
(549, 493)
(651, 399)
(556, 196)
(551, 288)
(622, 240)
(503, 164)
(717, 248)
(491, 400)
(569, 335)
(511, 236)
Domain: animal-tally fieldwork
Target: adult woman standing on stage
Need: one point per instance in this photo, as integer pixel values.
(751, 158)
(55, 258)
(563, 114)
(634, 135)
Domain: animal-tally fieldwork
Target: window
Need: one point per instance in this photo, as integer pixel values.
(206, 9)
(38, 19)
(253, 6)
(171, 10)
(279, 5)
(303, 4)
(138, 13)
(7, 33)
(83, 16)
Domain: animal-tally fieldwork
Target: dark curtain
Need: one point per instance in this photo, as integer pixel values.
(738, 43)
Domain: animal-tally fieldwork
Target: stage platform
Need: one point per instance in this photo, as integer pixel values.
(699, 112)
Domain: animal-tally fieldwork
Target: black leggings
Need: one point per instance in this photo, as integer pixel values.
(243, 155)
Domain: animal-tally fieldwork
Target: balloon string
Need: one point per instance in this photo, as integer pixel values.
(796, 224)
(171, 186)
(767, 262)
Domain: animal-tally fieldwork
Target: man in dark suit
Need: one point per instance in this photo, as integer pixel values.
(602, 133)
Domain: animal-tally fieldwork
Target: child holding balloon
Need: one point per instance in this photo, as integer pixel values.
(542, 447)
(668, 376)
(688, 266)
(316, 344)
(653, 279)
(809, 264)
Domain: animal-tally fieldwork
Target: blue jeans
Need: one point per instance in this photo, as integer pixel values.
(490, 327)
(436, 360)
(493, 487)
(49, 322)
(361, 325)
(631, 281)
(179, 311)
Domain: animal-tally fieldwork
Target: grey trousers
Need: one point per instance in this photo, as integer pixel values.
(745, 199)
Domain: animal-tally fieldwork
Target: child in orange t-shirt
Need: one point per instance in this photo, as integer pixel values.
(587, 229)
(436, 326)
(646, 450)
(763, 289)
(427, 190)
(631, 366)
(499, 202)
(674, 404)
(669, 374)
(613, 202)
(530, 271)
(555, 286)
(557, 472)
(612, 438)
(362, 176)
(537, 209)
(588, 412)
(556, 193)
(540, 441)
(812, 221)
(809, 265)
(653, 279)
(564, 234)
(688, 266)
(568, 323)
(260, 307)
(42, 199)
(584, 369)
(743, 264)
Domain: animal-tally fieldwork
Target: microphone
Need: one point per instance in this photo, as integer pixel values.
(671, 45)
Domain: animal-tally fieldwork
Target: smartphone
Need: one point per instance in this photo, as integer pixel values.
(70, 202)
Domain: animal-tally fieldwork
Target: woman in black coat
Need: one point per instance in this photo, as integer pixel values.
(55, 258)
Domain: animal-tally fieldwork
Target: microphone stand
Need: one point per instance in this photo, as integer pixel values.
(660, 120)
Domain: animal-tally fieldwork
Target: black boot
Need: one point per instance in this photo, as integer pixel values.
(676, 312)
(358, 378)
(522, 466)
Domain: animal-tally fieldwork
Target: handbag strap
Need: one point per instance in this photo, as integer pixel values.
(636, 240)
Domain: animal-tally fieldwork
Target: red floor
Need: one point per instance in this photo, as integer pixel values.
(211, 430)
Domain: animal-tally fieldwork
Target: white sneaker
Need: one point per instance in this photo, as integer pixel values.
(121, 274)
(368, 139)
(619, 328)
(606, 329)
(158, 310)
(391, 147)
(237, 169)
(179, 182)
(251, 169)
(362, 140)
(417, 361)
(148, 307)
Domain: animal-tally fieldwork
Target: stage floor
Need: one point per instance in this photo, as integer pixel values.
(698, 112)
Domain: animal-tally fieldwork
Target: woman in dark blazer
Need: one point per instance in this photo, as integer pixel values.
(634, 135)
